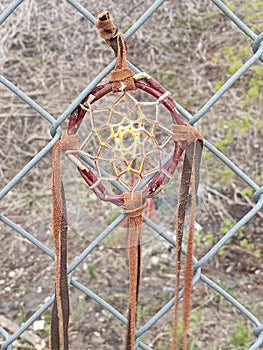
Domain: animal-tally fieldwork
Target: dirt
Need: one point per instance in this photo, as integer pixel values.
(52, 53)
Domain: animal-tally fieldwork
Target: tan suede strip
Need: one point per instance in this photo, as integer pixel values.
(122, 73)
(185, 133)
(134, 209)
(60, 312)
(190, 177)
(188, 272)
(122, 76)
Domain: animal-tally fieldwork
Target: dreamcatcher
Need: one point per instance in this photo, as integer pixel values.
(127, 147)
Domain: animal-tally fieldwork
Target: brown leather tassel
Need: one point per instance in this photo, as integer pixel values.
(60, 311)
(190, 177)
(134, 209)
(195, 149)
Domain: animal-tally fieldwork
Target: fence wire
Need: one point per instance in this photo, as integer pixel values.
(56, 130)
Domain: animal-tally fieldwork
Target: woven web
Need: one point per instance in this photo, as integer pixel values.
(127, 140)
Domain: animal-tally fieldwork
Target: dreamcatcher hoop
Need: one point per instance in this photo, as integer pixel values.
(185, 138)
(153, 88)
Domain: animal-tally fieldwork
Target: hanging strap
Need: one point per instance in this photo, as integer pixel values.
(134, 209)
(122, 76)
(60, 311)
(189, 179)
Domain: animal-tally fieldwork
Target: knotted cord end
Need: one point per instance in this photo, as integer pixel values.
(122, 76)
(136, 212)
(106, 26)
(186, 133)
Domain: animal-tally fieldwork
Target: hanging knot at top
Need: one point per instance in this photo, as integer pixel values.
(186, 133)
(122, 76)
(106, 26)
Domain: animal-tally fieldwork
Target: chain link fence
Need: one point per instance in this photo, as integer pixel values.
(56, 131)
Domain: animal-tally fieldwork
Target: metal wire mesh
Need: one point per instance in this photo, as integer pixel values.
(55, 131)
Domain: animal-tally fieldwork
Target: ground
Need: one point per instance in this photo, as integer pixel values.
(51, 52)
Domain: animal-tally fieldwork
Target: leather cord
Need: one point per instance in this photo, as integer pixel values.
(122, 76)
(134, 208)
(60, 311)
(189, 180)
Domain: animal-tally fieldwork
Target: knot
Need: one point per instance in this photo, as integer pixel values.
(106, 26)
(136, 212)
(68, 142)
(122, 76)
(133, 204)
(256, 45)
(185, 133)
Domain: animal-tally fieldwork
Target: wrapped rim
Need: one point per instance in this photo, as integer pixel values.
(152, 87)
